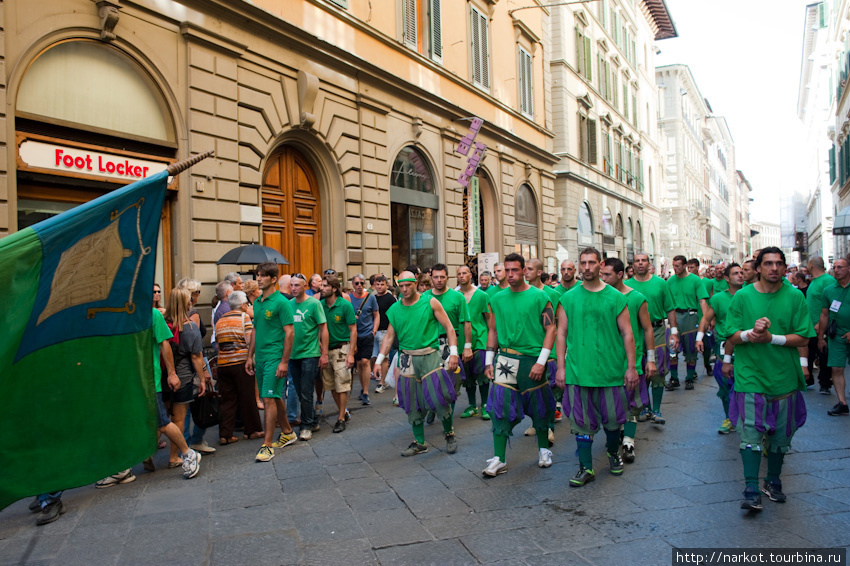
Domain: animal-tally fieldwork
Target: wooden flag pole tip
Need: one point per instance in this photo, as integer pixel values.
(181, 166)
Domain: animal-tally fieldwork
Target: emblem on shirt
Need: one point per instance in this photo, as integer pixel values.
(269, 315)
(299, 315)
(337, 318)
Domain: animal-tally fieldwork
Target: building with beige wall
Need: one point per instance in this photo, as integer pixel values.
(604, 116)
(335, 125)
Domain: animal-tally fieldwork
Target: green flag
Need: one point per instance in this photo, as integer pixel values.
(76, 372)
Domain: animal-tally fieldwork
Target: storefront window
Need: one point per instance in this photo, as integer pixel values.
(414, 210)
(607, 223)
(526, 223)
(585, 225)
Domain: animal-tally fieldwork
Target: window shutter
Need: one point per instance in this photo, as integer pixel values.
(485, 50)
(582, 137)
(831, 165)
(634, 111)
(588, 58)
(410, 23)
(526, 83)
(579, 51)
(476, 49)
(436, 31)
(591, 142)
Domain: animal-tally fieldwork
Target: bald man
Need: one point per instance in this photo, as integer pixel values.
(568, 277)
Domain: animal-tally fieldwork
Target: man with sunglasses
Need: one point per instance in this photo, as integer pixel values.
(368, 318)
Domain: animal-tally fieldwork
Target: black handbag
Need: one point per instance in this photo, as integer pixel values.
(206, 409)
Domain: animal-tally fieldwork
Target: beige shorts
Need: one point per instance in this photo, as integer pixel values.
(336, 376)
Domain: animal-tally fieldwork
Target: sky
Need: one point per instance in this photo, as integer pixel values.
(745, 56)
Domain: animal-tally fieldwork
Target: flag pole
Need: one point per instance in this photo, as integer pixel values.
(180, 166)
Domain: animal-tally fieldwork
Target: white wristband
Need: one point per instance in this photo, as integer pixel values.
(467, 345)
(727, 359)
(544, 356)
(700, 336)
(778, 340)
(380, 359)
(453, 350)
(674, 331)
(650, 356)
(488, 357)
(804, 362)
(745, 335)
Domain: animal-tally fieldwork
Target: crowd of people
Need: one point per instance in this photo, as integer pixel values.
(598, 343)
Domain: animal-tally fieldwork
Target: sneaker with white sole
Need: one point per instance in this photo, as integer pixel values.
(495, 467)
(265, 454)
(544, 459)
(121, 477)
(285, 439)
(203, 447)
(305, 435)
(191, 464)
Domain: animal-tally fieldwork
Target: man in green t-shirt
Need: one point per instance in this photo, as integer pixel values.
(342, 341)
(594, 318)
(499, 282)
(484, 281)
(834, 326)
(309, 352)
(613, 272)
(716, 314)
(568, 277)
(268, 358)
(423, 384)
(820, 281)
(522, 328)
(478, 304)
(749, 270)
(768, 321)
(660, 305)
(689, 300)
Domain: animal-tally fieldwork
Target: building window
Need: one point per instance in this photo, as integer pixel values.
(526, 223)
(584, 56)
(587, 139)
(602, 71)
(526, 81)
(585, 225)
(423, 28)
(480, 27)
(414, 206)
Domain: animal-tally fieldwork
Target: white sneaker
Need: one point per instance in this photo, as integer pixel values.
(495, 467)
(544, 460)
(379, 389)
(531, 431)
(203, 448)
(305, 435)
(191, 464)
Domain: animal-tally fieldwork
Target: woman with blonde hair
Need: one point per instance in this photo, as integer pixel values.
(187, 348)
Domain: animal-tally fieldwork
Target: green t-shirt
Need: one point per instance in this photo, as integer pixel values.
(454, 303)
(596, 355)
(815, 293)
(686, 291)
(720, 304)
(707, 284)
(161, 333)
(518, 319)
(561, 290)
(635, 300)
(765, 368)
(415, 326)
(308, 315)
(478, 306)
(719, 285)
(836, 292)
(554, 297)
(270, 316)
(657, 294)
(338, 318)
(493, 289)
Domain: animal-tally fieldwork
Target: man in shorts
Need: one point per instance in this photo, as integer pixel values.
(423, 384)
(522, 329)
(342, 341)
(591, 319)
(834, 327)
(385, 300)
(268, 358)
(768, 321)
(689, 300)
(368, 320)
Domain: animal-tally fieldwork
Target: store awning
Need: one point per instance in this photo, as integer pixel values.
(841, 226)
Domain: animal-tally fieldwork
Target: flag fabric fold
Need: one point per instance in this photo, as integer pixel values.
(77, 397)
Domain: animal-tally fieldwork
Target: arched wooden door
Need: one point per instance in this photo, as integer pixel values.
(292, 219)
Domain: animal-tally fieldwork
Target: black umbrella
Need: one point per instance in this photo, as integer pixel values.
(252, 254)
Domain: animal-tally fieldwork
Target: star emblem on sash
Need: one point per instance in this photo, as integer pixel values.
(505, 370)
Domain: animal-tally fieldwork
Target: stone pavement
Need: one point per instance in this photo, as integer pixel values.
(351, 499)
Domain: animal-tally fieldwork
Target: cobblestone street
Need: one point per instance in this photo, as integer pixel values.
(351, 499)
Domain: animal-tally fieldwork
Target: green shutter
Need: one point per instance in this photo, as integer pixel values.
(588, 59)
(831, 165)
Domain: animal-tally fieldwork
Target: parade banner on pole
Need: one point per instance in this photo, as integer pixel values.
(76, 361)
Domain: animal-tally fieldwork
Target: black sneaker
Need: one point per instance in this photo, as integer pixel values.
(689, 384)
(582, 477)
(430, 416)
(669, 386)
(773, 490)
(675, 382)
(825, 391)
(339, 426)
(616, 464)
(365, 399)
(752, 499)
(451, 443)
(414, 449)
(838, 410)
(50, 513)
(628, 453)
